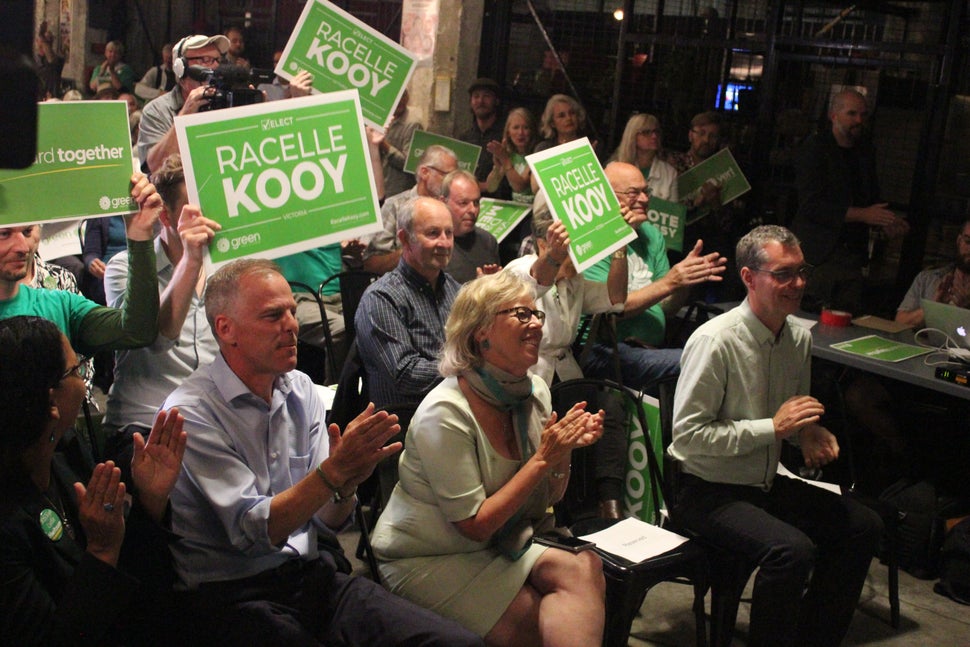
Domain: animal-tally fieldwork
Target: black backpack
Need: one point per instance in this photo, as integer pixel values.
(955, 564)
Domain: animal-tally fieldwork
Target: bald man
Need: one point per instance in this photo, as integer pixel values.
(838, 203)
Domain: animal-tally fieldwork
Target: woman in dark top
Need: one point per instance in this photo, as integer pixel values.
(61, 540)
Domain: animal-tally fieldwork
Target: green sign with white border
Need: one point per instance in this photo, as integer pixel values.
(280, 177)
(343, 53)
(670, 219)
(722, 170)
(83, 166)
(466, 153)
(500, 217)
(637, 496)
(579, 195)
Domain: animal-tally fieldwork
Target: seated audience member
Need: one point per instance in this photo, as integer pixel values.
(237, 46)
(511, 175)
(485, 103)
(134, 117)
(159, 79)
(564, 295)
(50, 276)
(947, 284)
(62, 579)
(508, 157)
(563, 121)
(384, 249)
(91, 327)
(485, 459)
(266, 484)
(395, 148)
(401, 318)
(882, 408)
(743, 389)
(653, 287)
(474, 247)
(112, 73)
(719, 226)
(103, 238)
(145, 376)
(156, 133)
(641, 146)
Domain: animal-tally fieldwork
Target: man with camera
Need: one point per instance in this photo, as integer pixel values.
(156, 137)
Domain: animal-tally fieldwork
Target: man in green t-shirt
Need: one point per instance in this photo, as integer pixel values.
(89, 326)
(653, 287)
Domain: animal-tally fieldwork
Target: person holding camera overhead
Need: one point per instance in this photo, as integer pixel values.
(156, 137)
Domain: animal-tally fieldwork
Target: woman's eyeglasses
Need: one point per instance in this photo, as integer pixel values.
(524, 314)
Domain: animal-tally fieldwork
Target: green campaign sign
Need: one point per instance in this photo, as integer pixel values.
(637, 496)
(720, 169)
(280, 177)
(500, 217)
(669, 218)
(466, 153)
(343, 53)
(579, 194)
(82, 169)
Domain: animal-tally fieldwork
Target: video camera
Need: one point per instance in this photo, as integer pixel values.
(229, 85)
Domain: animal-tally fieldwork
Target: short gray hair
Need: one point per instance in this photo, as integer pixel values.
(433, 156)
(222, 288)
(451, 177)
(541, 215)
(750, 251)
(474, 309)
(405, 215)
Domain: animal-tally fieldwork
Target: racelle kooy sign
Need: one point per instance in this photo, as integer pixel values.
(344, 53)
(280, 177)
(579, 194)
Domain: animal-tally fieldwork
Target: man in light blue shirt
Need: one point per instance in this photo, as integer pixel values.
(265, 482)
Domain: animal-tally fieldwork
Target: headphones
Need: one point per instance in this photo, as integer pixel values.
(179, 64)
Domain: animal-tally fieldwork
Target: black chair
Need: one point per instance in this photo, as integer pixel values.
(728, 573)
(378, 490)
(311, 359)
(889, 513)
(627, 582)
(352, 284)
(681, 328)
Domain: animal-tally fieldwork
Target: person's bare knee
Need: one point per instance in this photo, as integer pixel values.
(519, 624)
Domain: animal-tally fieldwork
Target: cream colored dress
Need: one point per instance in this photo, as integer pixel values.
(446, 471)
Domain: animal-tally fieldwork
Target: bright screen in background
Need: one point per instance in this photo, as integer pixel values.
(731, 97)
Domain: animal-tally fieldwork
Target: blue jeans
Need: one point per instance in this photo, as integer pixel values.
(640, 368)
(798, 535)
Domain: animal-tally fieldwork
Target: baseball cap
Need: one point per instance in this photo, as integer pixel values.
(485, 83)
(198, 41)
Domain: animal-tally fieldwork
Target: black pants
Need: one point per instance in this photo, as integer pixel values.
(310, 603)
(797, 534)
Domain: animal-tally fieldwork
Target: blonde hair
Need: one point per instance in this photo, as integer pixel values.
(473, 310)
(530, 122)
(548, 130)
(627, 150)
